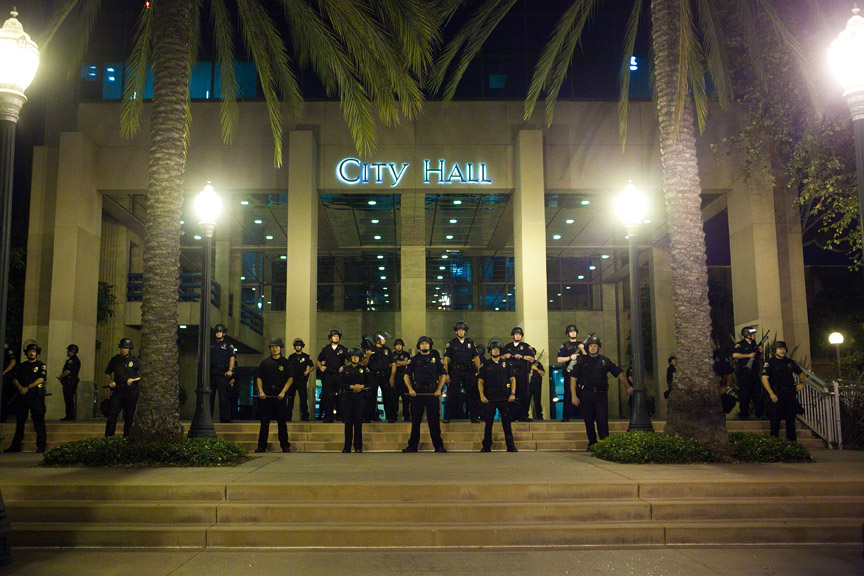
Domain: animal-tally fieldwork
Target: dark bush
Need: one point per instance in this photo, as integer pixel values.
(651, 448)
(762, 448)
(117, 451)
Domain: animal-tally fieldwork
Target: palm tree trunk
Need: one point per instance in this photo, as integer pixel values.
(694, 406)
(158, 415)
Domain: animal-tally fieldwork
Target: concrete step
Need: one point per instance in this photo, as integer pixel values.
(112, 512)
(117, 492)
(808, 507)
(79, 535)
(700, 491)
(782, 531)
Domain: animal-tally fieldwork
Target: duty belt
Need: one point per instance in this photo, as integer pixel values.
(596, 390)
(463, 367)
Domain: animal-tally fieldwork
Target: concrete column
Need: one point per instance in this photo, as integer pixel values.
(339, 288)
(755, 266)
(413, 267)
(235, 287)
(790, 255)
(529, 240)
(662, 319)
(302, 226)
(222, 271)
(613, 304)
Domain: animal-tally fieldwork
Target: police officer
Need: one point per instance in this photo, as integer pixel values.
(273, 381)
(670, 375)
(402, 358)
(222, 357)
(590, 376)
(496, 385)
(69, 379)
(462, 363)
(424, 378)
(301, 366)
(29, 381)
(747, 363)
(567, 354)
(379, 360)
(778, 378)
(355, 382)
(8, 391)
(330, 359)
(520, 355)
(123, 371)
(535, 384)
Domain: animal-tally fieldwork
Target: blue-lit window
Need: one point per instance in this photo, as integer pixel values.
(201, 81)
(112, 81)
(247, 80)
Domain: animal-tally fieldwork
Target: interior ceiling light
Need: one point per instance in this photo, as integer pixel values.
(258, 221)
(377, 237)
(268, 237)
(556, 236)
(585, 202)
(449, 237)
(453, 221)
(569, 221)
(442, 268)
(440, 277)
(457, 202)
(375, 221)
(444, 257)
(380, 256)
(283, 257)
(604, 256)
(372, 203)
(580, 277)
(592, 267)
(197, 237)
(244, 202)
(380, 267)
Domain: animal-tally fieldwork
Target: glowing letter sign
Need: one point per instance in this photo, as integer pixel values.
(354, 172)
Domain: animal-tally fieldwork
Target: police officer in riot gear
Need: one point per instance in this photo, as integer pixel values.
(567, 353)
(401, 359)
(590, 376)
(354, 384)
(332, 357)
(520, 355)
(123, 370)
(222, 358)
(747, 365)
(778, 378)
(29, 381)
(69, 380)
(462, 363)
(535, 386)
(496, 385)
(301, 366)
(273, 381)
(424, 378)
(8, 391)
(379, 360)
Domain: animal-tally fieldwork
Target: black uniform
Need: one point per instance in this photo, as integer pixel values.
(670, 379)
(354, 404)
(399, 380)
(749, 383)
(592, 385)
(333, 359)
(425, 370)
(463, 385)
(299, 362)
(70, 384)
(521, 367)
(273, 373)
(497, 389)
(221, 353)
(781, 376)
(535, 386)
(9, 390)
(26, 373)
(568, 348)
(123, 396)
(380, 365)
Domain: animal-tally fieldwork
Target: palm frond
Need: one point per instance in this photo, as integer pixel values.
(689, 65)
(223, 39)
(414, 25)
(715, 54)
(136, 75)
(624, 74)
(749, 26)
(195, 33)
(58, 18)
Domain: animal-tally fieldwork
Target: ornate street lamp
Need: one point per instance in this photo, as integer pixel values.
(836, 338)
(846, 56)
(208, 206)
(19, 60)
(631, 207)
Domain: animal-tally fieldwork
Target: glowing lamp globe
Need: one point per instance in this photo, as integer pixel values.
(208, 206)
(631, 206)
(19, 57)
(835, 338)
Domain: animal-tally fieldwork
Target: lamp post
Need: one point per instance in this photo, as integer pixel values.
(846, 57)
(836, 338)
(19, 60)
(208, 205)
(631, 207)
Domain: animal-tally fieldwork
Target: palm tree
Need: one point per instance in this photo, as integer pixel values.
(687, 43)
(348, 45)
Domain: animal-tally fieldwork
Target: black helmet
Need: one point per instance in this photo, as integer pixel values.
(299, 342)
(276, 342)
(356, 351)
(366, 343)
(570, 328)
(422, 339)
(399, 341)
(495, 343)
(780, 344)
(220, 328)
(381, 335)
(73, 348)
(460, 325)
(335, 331)
(672, 357)
(481, 350)
(517, 330)
(33, 346)
(126, 343)
(747, 330)
(593, 340)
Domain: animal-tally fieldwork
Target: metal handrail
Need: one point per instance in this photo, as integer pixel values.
(821, 403)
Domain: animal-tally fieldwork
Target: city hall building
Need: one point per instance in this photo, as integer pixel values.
(468, 212)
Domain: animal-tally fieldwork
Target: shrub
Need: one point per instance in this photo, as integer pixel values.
(652, 448)
(117, 451)
(762, 448)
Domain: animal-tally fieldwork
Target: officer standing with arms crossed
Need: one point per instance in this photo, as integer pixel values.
(590, 375)
(461, 362)
(427, 373)
(520, 355)
(747, 363)
(330, 359)
(497, 387)
(301, 366)
(123, 370)
(274, 378)
(567, 353)
(402, 358)
(380, 361)
(29, 381)
(8, 392)
(69, 380)
(222, 357)
(778, 378)
(355, 381)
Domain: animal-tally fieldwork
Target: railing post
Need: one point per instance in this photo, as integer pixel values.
(838, 420)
